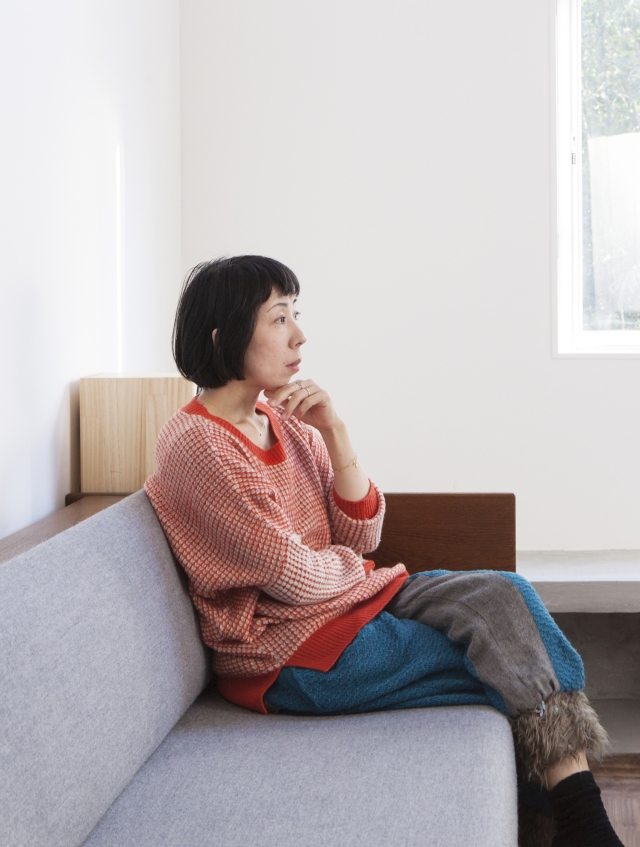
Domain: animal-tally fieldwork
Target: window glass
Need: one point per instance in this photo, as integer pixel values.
(610, 93)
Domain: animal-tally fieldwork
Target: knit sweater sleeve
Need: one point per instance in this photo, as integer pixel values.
(223, 505)
(360, 534)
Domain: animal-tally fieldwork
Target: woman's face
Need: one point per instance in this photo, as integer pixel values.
(273, 355)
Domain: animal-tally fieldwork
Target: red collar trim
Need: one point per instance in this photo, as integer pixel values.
(273, 456)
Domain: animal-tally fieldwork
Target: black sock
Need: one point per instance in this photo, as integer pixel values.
(535, 796)
(581, 819)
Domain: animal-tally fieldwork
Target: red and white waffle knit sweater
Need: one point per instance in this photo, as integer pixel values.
(273, 560)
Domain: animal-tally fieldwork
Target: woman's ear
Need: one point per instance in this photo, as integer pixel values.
(213, 336)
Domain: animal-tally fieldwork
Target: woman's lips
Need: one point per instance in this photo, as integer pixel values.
(295, 366)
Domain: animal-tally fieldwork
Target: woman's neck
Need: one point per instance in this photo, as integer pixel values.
(235, 401)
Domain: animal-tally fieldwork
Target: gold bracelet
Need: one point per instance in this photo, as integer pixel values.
(352, 463)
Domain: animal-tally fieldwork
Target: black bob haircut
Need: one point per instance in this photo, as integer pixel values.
(224, 294)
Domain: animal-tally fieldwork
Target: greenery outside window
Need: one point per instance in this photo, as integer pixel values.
(598, 170)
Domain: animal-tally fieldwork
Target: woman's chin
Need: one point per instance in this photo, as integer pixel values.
(278, 383)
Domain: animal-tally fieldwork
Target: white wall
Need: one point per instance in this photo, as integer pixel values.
(398, 155)
(78, 81)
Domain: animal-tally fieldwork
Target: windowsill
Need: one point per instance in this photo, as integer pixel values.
(584, 581)
(595, 344)
(604, 354)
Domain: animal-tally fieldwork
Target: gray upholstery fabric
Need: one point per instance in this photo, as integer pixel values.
(442, 777)
(100, 655)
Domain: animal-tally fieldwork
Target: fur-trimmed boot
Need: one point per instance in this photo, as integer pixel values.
(560, 728)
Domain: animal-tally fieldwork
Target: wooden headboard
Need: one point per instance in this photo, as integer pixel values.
(458, 532)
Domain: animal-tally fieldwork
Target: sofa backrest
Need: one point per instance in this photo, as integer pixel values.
(100, 655)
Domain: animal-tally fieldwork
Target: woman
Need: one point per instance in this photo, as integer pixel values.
(269, 513)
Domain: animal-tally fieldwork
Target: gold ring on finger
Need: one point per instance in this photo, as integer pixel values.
(308, 392)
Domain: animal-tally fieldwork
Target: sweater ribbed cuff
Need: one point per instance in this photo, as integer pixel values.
(359, 509)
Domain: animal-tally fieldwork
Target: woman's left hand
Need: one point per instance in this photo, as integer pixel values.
(307, 401)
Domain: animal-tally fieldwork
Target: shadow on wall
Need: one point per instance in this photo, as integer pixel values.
(74, 437)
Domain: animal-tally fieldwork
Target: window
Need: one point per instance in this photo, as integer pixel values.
(598, 170)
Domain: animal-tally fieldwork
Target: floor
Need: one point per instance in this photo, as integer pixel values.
(619, 781)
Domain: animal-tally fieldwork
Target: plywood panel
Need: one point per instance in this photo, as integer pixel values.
(120, 418)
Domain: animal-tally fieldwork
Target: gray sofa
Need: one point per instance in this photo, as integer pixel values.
(112, 735)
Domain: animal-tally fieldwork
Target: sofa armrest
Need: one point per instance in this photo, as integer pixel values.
(459, 532)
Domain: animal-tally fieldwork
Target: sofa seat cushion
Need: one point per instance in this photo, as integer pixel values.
(441, 777)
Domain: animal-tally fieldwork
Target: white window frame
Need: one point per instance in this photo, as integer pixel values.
(571, 340)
